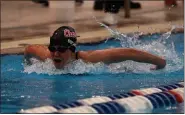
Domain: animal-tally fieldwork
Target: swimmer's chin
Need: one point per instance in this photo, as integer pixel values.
(58, 66)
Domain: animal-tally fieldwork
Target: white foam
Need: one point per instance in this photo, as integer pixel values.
(161, 47)
(76, 67)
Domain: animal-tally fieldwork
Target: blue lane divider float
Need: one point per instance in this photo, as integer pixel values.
(135, 101)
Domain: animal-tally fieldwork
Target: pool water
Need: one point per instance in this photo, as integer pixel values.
(24, 86)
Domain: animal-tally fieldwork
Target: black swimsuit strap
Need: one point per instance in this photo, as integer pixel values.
(76, 54)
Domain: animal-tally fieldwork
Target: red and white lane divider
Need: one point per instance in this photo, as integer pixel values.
(135, 101)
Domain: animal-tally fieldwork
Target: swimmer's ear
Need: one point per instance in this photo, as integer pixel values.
(72, 48)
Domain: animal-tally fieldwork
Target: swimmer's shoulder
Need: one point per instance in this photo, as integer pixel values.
(35, 48)
(38, 51)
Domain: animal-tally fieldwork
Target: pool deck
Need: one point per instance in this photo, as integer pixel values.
(25, 26)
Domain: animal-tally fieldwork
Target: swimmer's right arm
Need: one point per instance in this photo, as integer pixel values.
(36, 51)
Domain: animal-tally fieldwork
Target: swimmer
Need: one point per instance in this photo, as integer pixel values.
(62, 50)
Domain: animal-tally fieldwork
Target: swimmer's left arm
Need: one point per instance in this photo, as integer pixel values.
(122, 54)
(37, 51)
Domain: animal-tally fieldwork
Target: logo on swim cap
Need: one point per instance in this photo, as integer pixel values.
(68, 33)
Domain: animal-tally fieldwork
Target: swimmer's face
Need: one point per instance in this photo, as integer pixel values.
(61, 58)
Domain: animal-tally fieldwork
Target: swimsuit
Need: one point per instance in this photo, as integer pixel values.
(76, 55)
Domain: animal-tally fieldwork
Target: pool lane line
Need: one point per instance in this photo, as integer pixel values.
(144, 102)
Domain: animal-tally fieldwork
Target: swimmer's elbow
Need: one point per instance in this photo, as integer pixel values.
(29, 53)
(36, 51)
(31, 50)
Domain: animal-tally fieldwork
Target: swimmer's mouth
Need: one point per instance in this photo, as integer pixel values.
(58, 60)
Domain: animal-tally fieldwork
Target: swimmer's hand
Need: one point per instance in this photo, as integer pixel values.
(160, 66)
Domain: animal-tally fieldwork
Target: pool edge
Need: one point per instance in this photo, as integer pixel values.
(93, 40)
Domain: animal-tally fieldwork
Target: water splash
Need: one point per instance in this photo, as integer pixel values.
(76, 67)
(161, 47)
(166, 35)
(126, 40)
(80, 67)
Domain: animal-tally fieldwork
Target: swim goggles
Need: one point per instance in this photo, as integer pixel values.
(61, 49)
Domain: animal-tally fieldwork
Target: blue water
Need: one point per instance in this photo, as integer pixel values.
(24, 87)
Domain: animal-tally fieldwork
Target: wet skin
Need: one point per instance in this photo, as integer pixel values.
(61, 58)
(111, 55)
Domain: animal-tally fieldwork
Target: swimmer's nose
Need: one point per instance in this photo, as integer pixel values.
(56, 53)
